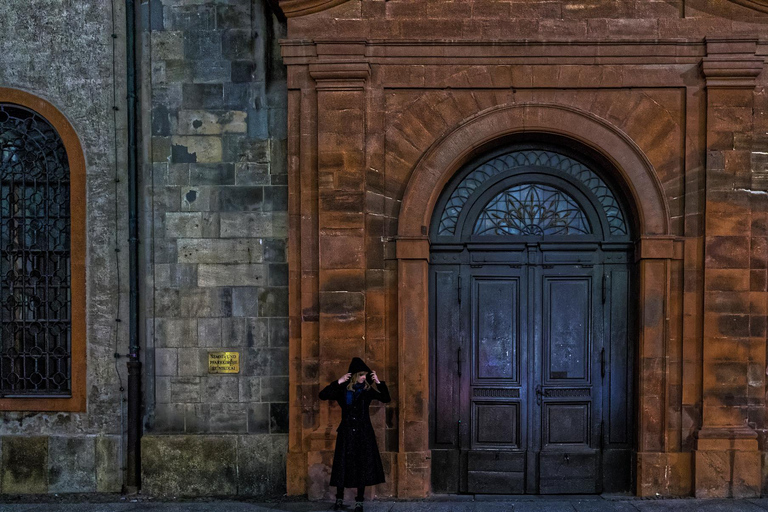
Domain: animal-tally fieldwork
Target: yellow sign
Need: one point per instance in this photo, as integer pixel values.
(223, 362)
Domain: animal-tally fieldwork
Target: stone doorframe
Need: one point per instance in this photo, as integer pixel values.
(657, 252)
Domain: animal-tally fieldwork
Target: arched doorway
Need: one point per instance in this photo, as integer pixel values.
(529, 289)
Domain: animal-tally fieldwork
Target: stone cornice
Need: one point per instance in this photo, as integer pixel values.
(340, 76)
(732, 64)
(294, 8)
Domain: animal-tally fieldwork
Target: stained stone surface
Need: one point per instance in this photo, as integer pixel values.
(63, 52)
(216, 230)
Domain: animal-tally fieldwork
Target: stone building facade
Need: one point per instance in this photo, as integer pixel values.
(213, 232)
(544, 223)
(644, 328)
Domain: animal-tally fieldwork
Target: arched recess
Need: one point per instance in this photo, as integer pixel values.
(76, 402)
(476, 134)
(472, 138)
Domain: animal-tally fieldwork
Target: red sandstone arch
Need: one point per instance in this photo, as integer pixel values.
(448, 154)
(429, 177)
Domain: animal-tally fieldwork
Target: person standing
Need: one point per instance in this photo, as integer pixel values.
(356, 460)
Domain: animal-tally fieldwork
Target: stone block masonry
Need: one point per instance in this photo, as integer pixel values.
(216, 232)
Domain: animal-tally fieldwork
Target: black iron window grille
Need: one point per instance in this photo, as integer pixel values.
(35, 276)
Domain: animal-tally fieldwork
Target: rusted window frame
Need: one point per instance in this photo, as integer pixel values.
(77, 401)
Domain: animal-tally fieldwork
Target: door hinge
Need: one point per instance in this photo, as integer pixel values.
(605, 287)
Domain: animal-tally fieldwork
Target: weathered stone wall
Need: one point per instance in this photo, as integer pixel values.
(215, 236)
(63, 53)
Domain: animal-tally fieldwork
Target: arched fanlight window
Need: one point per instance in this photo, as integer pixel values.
(531, 209)
(35, 257)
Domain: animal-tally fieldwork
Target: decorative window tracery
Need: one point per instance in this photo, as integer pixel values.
(517, 161)
(532, 209)
(35, 270)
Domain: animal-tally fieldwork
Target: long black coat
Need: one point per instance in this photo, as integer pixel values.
(356, 461)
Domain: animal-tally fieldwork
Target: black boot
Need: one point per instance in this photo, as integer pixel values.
(338, 505)
(358, 506)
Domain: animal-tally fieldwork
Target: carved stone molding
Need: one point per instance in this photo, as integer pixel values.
(758, 5)
(294, 8)
(340, 76)
(732, 64)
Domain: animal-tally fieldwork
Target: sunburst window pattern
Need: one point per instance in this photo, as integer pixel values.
(532, 210)
(517, 162)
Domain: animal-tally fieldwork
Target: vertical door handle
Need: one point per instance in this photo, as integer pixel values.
(458, 362)
(539, 394)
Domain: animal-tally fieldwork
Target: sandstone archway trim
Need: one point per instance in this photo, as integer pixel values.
(429, 177)
(441, 161)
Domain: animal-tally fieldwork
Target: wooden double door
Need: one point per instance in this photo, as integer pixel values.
(531, 371)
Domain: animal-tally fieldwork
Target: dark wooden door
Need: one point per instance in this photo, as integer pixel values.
(523, 377)
(566, 378)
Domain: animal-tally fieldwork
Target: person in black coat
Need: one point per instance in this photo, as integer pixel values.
(356, 461)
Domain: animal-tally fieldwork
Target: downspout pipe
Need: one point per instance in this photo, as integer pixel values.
(133, 448)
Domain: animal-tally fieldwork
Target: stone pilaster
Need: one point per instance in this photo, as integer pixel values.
(727, 457)
(341, 129)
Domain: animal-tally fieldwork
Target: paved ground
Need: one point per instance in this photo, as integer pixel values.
(454, 504)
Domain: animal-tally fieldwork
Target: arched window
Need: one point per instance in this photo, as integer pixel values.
(41, 254)
(526, 207)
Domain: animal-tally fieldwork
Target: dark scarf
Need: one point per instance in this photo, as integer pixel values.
(354, 393)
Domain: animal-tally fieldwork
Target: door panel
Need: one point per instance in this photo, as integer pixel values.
(567, 424)
(567, 473)
(496, 320)
(496, 472)
(446, 334)
(570, 402)
(497, 424)
(496, 461)
(617, 449)
(567, 329)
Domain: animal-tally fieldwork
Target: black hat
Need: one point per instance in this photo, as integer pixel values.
(357, 365)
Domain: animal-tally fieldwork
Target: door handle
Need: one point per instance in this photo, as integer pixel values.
(539, 394)
(458, 362)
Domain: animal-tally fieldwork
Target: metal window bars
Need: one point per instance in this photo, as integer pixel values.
(35, 292)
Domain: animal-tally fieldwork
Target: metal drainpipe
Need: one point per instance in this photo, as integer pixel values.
(133, 459)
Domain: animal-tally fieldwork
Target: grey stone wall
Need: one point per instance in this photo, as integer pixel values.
(216, 231)
(63, 53)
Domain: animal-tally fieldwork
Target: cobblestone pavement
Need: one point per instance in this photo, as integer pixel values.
(452, 504)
